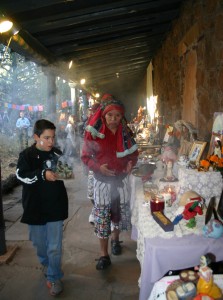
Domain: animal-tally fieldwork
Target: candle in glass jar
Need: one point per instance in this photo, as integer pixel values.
(167, 199)
(171, 191)
(157, 204)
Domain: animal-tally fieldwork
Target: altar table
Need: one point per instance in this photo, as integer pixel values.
(159, 251)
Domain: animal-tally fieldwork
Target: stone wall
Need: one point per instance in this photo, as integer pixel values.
(188, 68)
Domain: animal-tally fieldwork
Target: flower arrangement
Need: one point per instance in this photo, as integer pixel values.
(212, 161)
(205, 164)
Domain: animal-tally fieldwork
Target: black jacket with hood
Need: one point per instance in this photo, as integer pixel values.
(43, 201)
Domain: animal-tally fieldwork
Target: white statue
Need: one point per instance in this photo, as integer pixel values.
(169, 172)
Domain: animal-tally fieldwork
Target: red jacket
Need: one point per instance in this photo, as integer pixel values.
(96, 152)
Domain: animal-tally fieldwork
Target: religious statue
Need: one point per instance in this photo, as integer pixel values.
(205, 284)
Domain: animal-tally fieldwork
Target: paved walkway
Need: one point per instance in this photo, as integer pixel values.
(22, 278)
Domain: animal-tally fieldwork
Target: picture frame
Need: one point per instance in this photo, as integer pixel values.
(217, 131)
(196, 152)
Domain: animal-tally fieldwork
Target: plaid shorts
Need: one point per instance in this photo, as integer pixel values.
(102, 208)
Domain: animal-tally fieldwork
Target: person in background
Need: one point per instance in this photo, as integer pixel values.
(70, 143)
(22, 125)
(110, 152)
(5, 126)
(44, 200)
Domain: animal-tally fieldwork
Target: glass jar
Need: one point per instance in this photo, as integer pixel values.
(157, 203)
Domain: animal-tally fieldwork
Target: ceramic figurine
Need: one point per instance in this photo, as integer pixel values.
(205, 284)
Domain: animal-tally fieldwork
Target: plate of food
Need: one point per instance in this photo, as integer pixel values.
(137, 173)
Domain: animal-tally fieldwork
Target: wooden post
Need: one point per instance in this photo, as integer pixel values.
(51, 96)
(2, 222)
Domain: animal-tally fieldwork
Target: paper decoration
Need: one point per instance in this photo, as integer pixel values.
(64, 104)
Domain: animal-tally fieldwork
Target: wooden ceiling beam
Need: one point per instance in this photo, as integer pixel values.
(59, 15)
(115, 55)
(89, 46)
(121, 27)
(153, 38)
(112, 69)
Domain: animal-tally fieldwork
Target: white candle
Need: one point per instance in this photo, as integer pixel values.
(167, 199)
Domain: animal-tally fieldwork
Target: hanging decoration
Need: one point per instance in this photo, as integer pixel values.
(38, 107)
(24, 107)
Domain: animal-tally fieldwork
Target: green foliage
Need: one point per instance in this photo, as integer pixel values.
(21, 81)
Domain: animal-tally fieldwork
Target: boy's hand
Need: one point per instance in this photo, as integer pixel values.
(51, 176)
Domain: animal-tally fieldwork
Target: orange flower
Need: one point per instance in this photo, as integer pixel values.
(205, 163)
(220, 163)
(214, 158)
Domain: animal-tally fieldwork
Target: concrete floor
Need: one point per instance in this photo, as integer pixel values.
(22, 278)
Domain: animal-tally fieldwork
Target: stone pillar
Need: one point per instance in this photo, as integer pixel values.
(2, 222)
(51, 97)
(74, 100)
(85, 102)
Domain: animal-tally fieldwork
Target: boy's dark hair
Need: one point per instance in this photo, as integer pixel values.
(42, 125)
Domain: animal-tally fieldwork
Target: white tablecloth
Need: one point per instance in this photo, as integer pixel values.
(206, 184)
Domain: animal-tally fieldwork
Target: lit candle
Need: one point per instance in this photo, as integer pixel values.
(157, 203)
(167, 199)
(172, 192)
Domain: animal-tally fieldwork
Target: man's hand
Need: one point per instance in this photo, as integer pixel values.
(129, 167)
(105, 171)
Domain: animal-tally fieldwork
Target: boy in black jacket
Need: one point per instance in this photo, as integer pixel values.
(44, 200)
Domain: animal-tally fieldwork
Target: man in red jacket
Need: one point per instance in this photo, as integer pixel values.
(110, 152)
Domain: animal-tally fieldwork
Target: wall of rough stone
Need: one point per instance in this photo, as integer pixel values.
(188, 68)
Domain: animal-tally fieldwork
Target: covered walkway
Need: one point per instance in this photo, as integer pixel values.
(23, 278)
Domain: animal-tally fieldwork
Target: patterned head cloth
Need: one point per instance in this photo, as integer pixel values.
(107, 97)
(97, 125)
(112, 105)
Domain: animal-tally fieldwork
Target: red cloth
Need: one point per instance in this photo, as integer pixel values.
(113, 107)
(94, 107)
(107, 97)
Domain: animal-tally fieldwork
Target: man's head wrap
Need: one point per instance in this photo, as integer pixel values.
(112, 105)
(97, 126)
(107, 97)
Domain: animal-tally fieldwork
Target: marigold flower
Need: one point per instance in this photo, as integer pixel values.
(204, 163)
(220, 163)
(214, 158)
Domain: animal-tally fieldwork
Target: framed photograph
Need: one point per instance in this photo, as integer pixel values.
(217, 132)
(196, 151)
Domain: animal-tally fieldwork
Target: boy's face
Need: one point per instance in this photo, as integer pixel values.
(46, 140)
